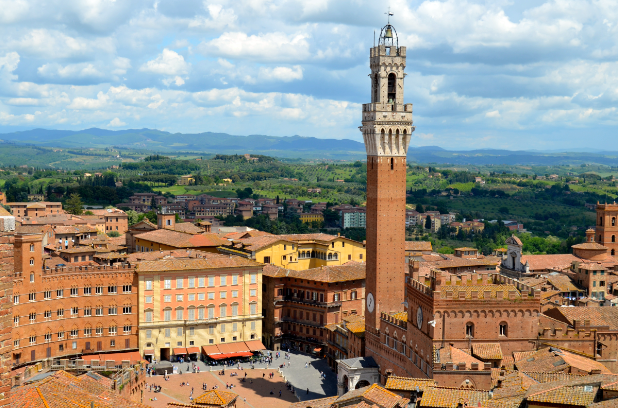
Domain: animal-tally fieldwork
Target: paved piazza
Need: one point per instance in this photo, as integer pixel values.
(255, 390)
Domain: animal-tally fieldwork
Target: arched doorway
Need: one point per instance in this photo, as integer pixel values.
(345, 384)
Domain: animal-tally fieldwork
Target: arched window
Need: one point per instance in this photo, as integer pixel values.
(600, 220)
(335, 256)
(613, 238)
(31, 247)
(397, 141)
(392, 88)
(613, 252)
(504, 329)
(31, 261)
(470, 329)
(382, 141)
(613, 221)
(330, 257)
(376, 89)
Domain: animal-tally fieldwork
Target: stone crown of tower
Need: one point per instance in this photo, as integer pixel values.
(387, 121)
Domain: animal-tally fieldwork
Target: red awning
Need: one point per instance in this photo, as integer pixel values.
(180, 351)
(230, 348)
(193, 350)
(317, 350)
(255, 345)
(149, 352)
(230, 355)
(211, 350)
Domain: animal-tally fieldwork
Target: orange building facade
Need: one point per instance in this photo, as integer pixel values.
(299, 304)
(69, 311)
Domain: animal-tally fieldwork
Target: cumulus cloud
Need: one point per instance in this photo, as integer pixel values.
(300, 66)
(81, 70)
(277, 46)
(285, 74)
(116, 123)
(86, 103)
(167, 63)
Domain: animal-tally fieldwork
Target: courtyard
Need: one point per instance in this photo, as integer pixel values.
(257, 390)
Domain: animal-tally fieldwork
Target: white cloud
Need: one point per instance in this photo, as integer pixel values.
(276, 46)
(23, 101)
(13, 10)
(54, 44)
(121, 65)
(285, 74)
(168, 63)
(492, 114)
(85, 103)
(116, 123)
(81, 70)
(178, 81)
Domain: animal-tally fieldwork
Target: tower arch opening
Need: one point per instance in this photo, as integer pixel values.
(392, 88)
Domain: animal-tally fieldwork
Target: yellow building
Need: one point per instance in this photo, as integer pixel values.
(474, 226)
(310, 217)
(186, 180)
(298, 251)
(193, 305)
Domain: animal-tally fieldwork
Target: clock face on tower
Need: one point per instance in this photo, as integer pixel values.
(419, 317)
(370, 303)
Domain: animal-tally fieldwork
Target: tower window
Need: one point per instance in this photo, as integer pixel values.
(613, 221)
(392, 164)
(613, 238)
(392, 88)
(503, 329)
(469, 330)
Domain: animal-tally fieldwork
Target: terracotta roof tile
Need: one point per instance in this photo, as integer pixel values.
(51, 392)
(549, 262)
(451, 398)
(519, 355)
(395, 383)
(337, 273)
(598, 316)
(487, 351)
(208, 262)
(182, 240)
(556, 360)
(562, 283)
(576, 395)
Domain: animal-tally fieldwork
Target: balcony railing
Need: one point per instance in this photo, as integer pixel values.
(311, 302)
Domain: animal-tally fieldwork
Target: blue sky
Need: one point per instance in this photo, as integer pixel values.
(481, 74)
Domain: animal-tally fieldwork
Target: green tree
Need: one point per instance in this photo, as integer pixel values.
(113, 234)
(428, 222)
(419, 208)
(133, 216)
(331, 217)
(74, 205)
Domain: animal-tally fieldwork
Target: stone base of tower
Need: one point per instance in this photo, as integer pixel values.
(390, 361)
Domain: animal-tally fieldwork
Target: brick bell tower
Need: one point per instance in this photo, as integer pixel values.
(387, 129)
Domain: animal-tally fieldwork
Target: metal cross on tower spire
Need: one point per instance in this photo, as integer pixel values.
(389, 14)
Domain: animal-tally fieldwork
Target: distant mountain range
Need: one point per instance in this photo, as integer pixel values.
(288, 147)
